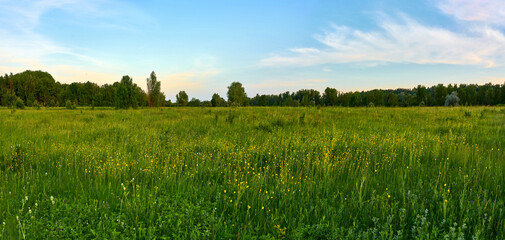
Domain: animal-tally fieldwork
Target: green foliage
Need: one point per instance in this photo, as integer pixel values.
(236, 95)
(330, 97)
(217, 101)
(194, 103)
(452, 99)
(8, 98)
(36, 104)
(182, 98)
(19, 104)
(69, 105)
(154, 95)
(37, 86)
(128, 94)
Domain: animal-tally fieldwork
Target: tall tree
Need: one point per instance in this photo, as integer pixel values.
(216, 100)
(330, 96)
(421, 95)
(440, 92)
(236, 94)
(126, 93)
(182, 98)
(154, 95)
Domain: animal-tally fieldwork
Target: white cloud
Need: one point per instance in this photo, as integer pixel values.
(487, 11)
(399, 40)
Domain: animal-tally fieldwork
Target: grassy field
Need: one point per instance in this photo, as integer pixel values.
(266, 173)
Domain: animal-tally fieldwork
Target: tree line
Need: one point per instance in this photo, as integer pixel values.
(37, 88)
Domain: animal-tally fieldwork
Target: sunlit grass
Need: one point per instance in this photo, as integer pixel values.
(228, 172)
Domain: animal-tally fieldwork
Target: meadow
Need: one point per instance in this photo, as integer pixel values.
(253, 173)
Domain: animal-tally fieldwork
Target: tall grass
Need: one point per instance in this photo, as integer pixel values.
(193, 173)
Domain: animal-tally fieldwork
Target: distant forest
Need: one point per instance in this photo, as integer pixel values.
(37, 88)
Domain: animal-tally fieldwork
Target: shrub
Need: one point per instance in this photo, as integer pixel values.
(36, 104)
(452, 99)
(20, 104)
(69, 105)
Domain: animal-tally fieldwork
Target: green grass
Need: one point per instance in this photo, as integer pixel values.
(247, 173)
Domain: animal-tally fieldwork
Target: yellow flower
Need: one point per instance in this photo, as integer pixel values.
(262, 207)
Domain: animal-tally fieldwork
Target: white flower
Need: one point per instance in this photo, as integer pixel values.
(52, 200)
(26, 198)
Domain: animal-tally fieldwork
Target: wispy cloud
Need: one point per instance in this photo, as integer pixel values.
(399, 40)
(23, 46)
(486, 11)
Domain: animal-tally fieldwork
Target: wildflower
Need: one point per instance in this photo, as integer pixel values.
(262, 207)
(248, 207)
(224, 191)
(26, 198)
(52, 200)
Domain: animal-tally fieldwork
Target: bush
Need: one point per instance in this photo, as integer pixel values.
(69, 105)
(20, 104)
(452, 99)
(36, 104)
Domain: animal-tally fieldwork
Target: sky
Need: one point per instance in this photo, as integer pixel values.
(270, 46)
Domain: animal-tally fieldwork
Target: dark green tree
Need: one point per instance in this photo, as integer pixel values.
(440, 91)
(236, 94)
(182, 98)
(216, 100)
(330, 97)
(392, 99)
(154, 95)
(194, 102)
(421, 94)
(126, 93)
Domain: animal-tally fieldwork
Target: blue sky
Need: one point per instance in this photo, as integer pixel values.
(269, 46)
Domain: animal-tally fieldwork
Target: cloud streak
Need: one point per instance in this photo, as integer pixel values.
(491, 12)
(399, 40)
(23, 46)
